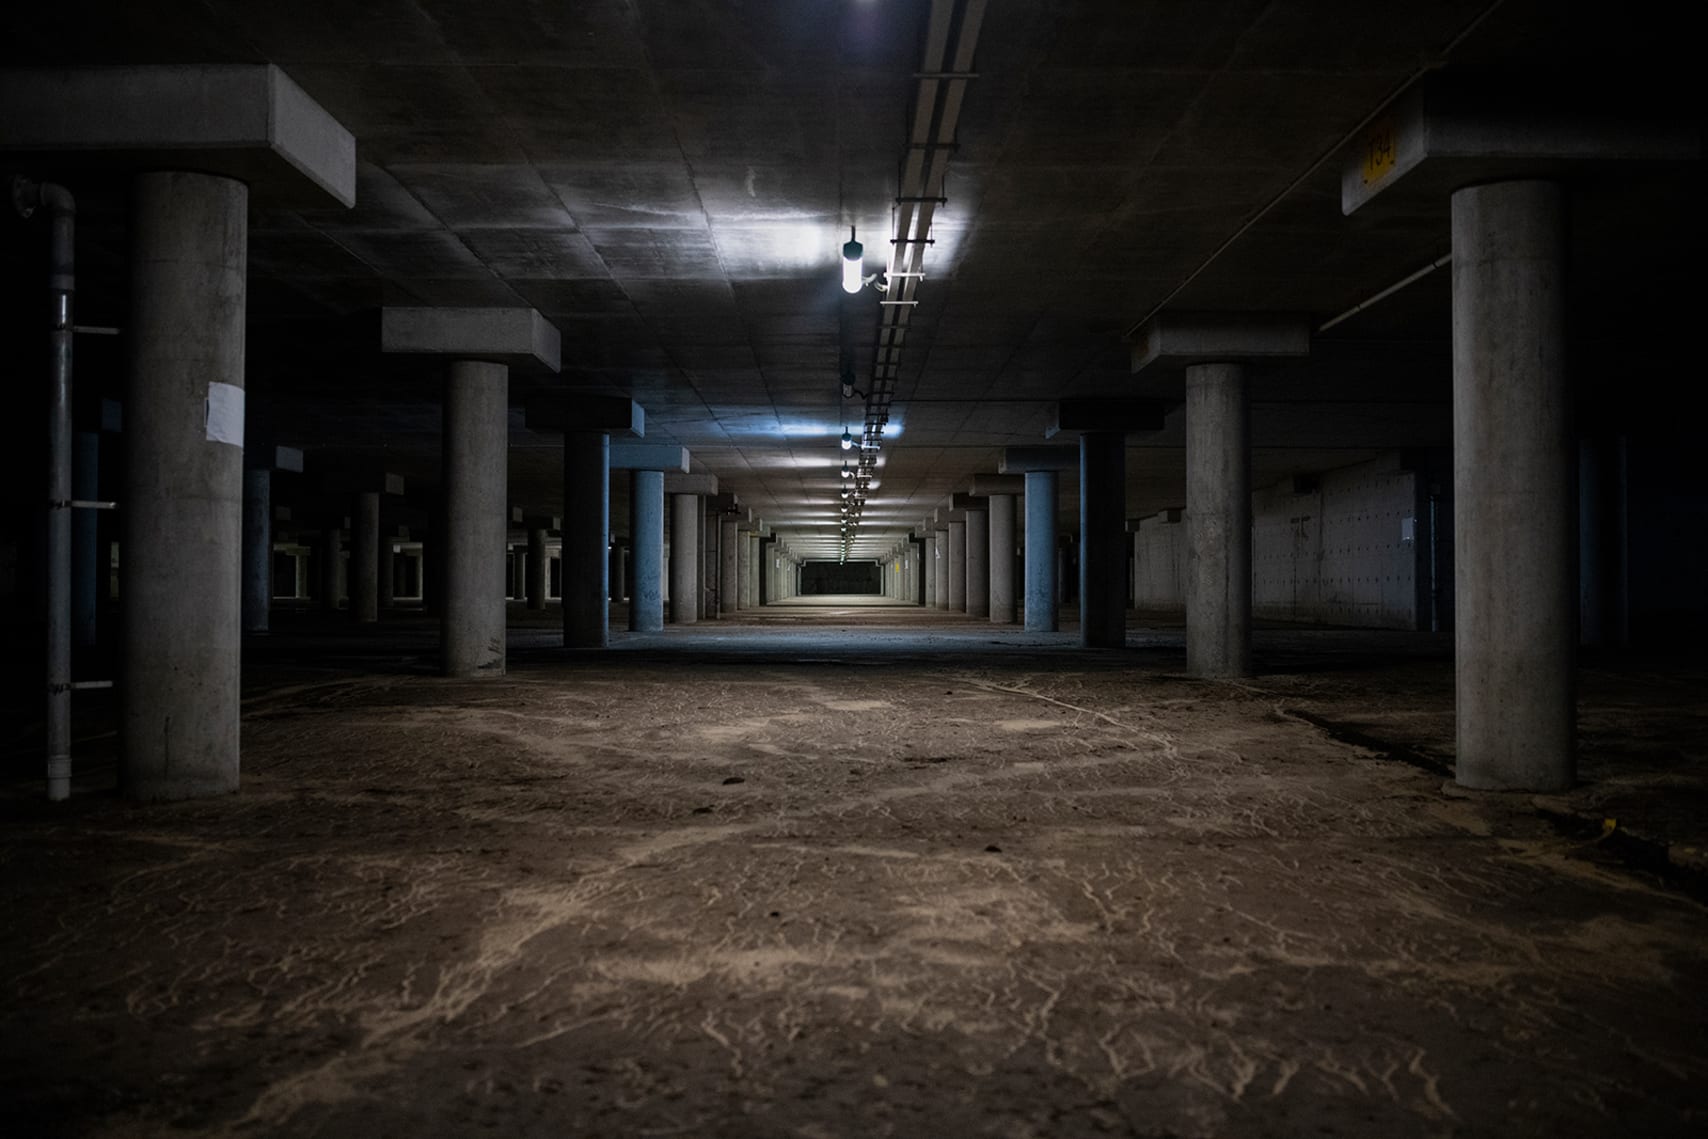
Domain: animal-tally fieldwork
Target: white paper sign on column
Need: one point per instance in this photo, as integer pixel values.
(225, 414)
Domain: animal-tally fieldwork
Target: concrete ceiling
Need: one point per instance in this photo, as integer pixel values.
(668, 182)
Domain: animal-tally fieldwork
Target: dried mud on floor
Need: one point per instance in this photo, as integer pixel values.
(990, 894)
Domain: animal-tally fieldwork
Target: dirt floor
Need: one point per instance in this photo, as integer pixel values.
(866, 872)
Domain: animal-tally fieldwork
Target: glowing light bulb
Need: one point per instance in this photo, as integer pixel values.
(853, 254)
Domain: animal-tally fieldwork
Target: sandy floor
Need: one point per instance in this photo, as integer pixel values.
(889, 875)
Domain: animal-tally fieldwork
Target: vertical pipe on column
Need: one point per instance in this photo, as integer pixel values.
(1513, 490)
(476, 450)
(365, 557)
(1103, 539)
(183, 517)
(1041, 552)
(646, 532)
(257, 550)
(586, 565)
(1218, 521)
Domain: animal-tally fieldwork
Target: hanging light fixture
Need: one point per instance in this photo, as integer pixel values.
(846, 473)
(853, 254)
(847, 440)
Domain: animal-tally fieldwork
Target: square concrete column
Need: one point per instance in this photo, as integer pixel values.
(1041, 552)
(684, 557)
(1103, 539)
(476, 466)
(364, 570)
(257, 550)
(183, 516)
(586, 539)
(1514, 490)
(1218, 521)
(537, 568)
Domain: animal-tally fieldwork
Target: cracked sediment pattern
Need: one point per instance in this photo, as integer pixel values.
(939, 896)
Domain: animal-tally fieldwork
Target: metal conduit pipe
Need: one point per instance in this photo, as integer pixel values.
(27, 197)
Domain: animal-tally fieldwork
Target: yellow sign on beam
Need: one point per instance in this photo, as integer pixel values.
(1380, 151)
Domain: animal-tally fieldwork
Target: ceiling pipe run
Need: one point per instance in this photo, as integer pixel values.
(27, 197)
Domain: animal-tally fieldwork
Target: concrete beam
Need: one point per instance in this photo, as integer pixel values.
(618, 415)
(1446, 133)
(288, 459)
(987, 485)
(1074, 415)
(961, 503)
(1043, 457)
(518, 337)
(648, 457)
(677, 483)
(1175, 340)
(726, 503)
(244, 121)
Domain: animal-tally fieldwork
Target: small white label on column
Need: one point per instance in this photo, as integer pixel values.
(225, 414)
(1408, 529)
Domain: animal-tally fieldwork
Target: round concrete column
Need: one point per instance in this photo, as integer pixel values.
(183, 516)
(1218, 521)
(957, 567)
(1002, 559)
(586, 539)
(1514, 490)
(330, 555)
(477, 443)
(684, 557)
(646, 532)
(365, 557)
(978, 563)
(729, 567)
(1103, 539)
(1041, 552)
(257, 550)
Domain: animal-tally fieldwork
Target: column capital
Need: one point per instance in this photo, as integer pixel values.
(516, 337)
(1177, 340)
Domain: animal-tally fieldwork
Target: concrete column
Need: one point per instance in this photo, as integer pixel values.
(752, 544)
(928, 565)
(476, 466)
(941, 568)
(586, 539)
(257, 550)
(1513, 489)
(537, 569)
(330, 553)
(744, 571)
(646, 533)
(978, 563)
(183, 516)
(1002, 559)
(365, 557)
(1041, 552)
(1218, 521)
(729, 567)
(85, 545)
(957, 567)
(1103, 539)
(684, 558)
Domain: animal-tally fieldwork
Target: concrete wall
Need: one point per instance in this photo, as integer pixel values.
(1346, 547)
